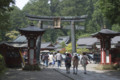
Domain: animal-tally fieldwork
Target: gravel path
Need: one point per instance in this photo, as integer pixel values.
(92, 73)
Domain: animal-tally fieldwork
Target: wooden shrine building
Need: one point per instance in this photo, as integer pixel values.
(11, 53)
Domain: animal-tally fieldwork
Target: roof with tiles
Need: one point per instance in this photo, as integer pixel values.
(47, 45)
(115, 40)
(20, 39)
(87, 41)
(65, 39)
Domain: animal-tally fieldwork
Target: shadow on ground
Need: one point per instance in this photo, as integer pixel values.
(45, 74)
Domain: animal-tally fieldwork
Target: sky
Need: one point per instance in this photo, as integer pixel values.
(21, 3)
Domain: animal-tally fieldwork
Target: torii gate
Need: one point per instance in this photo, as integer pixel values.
(57, 21)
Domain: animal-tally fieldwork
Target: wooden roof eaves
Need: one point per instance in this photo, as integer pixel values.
(100, 35)
(9, 44)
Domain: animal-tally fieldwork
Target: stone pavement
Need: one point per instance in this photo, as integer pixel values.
(44, 74)
(92, 73)
(55, 73)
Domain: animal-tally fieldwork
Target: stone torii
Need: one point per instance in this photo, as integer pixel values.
(57, 21)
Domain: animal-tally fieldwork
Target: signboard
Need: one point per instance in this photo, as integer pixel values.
(57, 22)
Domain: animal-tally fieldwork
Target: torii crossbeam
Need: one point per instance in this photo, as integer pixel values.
(51, 18)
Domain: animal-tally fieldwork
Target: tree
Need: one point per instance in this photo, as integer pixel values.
(55, 7)
(37, 7)
(111, 10)
(94, 20)
(5, 5)
(68, 48)
(4, 17)
(81, 50)
(84, 35)
(62, 50)
(17, 19)
(116, 27)
(73, 7)
(12, 35)
(63, 45)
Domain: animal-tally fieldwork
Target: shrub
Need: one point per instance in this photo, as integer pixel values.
(108, 67)
(2, 64)
(105, 67)
(116, 66)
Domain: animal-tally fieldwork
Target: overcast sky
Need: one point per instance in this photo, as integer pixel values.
(21, 3)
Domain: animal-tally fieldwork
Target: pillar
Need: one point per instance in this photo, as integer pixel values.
(103, 57)
(103, 54)
(73, 37)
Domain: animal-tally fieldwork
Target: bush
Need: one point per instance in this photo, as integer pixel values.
(108, 67)
(116, 66)
(2, 64)
(105, 67)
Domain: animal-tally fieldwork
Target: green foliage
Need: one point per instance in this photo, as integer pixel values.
(12, 35)
(94, 22)
(81, 50)
(111, 10)
(73, 7)
(84, 35)
(55, 8)
(68, 48)
(17, 18)
(104, 67)
(5, 5)
(116, 27)
(2, 64)
(4, 17)
(4, 25)
(116, 66)
(108, 67)
(37, 7)
(63, 51)
(63, 45)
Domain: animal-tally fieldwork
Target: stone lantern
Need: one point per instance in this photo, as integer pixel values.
(31, 32)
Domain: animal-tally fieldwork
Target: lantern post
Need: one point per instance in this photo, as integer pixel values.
(31, 32)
